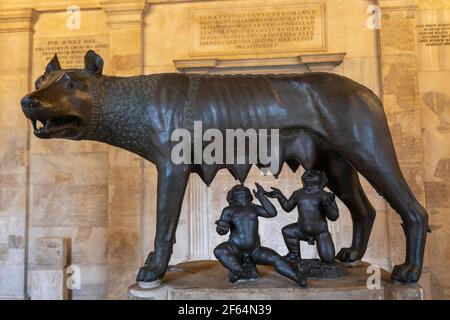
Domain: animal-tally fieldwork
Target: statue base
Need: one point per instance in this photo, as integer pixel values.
(207, 280)
(317, 269)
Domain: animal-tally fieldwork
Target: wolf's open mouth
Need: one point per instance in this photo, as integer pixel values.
(55, 124)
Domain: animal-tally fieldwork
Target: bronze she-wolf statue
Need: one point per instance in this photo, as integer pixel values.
(325, 122)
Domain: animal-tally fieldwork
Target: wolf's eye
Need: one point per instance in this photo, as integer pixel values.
(70, 85)
(39, 81)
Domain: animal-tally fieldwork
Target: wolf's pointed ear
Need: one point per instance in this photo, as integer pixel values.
(93, 62)
(53, 65)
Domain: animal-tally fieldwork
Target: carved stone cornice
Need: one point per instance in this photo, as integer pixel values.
(16, 20)
(48, 5)
(124, 13)
(391, 5)
(312, 62)
(179, 1)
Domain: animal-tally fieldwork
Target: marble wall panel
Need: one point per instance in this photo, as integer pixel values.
(436, 135)
(15, 50)
(68, 179)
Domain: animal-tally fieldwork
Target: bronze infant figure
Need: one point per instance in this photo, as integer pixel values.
(243, 249)
(314, 206)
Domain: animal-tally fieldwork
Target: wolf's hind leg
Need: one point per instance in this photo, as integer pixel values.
(343, 181)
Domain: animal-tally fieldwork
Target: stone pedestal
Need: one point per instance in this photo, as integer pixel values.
(49, 284)
(207, 280)
(48, 274)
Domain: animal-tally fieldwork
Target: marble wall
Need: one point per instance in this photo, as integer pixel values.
(102, 199)
(15, 33)
(433, 94)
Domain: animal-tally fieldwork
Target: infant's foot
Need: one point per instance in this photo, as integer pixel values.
(251, 273)
(235, 276)
(293, 258)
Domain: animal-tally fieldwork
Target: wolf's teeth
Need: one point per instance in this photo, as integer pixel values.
(39, 125)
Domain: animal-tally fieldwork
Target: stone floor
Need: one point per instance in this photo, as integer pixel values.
(208, 280)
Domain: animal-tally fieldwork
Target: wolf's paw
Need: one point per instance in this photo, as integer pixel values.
(406, 273)
(147, 274)
(348, 255)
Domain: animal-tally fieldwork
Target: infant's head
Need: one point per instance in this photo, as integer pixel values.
(314, 177)
(239, 193)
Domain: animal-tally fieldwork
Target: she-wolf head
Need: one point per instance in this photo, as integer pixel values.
(62, 104)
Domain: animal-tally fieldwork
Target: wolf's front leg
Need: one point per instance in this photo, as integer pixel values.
(172, 181)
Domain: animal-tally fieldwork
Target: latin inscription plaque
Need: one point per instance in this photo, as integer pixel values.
(434, 34)
(290, 28)
(70, 50)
